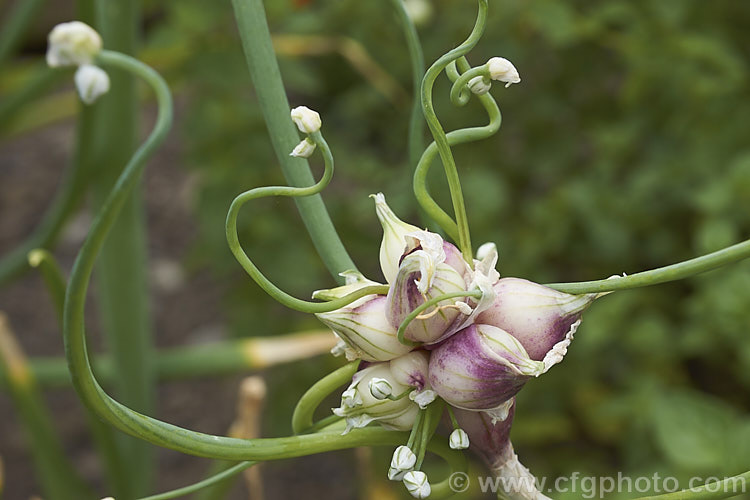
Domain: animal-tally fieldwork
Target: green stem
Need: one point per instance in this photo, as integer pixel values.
(423, 307)
(455, 137)
(18, 21)
(433, 412)
(416, 58)
(264, 70)
(186, 490)
(253, 271)
(103, 435)
(122, 270)
(725, 488)
(681, 270)
(460, 93)
(441, 140)
(302, 418)
(191, 362)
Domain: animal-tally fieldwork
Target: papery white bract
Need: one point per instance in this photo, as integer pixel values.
(538, 316)
(393, 245)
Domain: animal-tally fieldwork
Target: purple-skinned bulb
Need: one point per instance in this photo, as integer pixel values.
(425, 272)
(481, 368)
(538, 316)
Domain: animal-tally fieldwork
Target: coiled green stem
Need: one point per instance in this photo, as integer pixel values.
(441, 139)
(252, 270)
(462, 136)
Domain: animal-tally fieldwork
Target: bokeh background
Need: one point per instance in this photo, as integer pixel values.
(625, 147)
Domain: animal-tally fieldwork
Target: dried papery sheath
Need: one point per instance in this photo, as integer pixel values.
(423, 397)
(399, 414)
(307, 120)
(416, 484)
(481, 368)
(72, 44)
(393, 245)
(503, 70)
(542, 319)
(354, 280)
(424, 275)
(91, 83)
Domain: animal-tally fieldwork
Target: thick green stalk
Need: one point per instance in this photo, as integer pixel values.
(57, 476)
(302, 418)
(122, 270)
(416, 58)
(264, 70)
(197, 361)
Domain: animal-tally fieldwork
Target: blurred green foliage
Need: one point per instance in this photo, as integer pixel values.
(624, 148)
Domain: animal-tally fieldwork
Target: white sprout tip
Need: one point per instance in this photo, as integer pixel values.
(416, 484)
(380, 388)
(304, 149)
(72, 44)
(458, 439)
(307, 120)
(91, 82)
(503, 70)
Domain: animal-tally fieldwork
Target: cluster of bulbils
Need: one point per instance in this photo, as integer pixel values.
(475, 352)
(77, 44)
